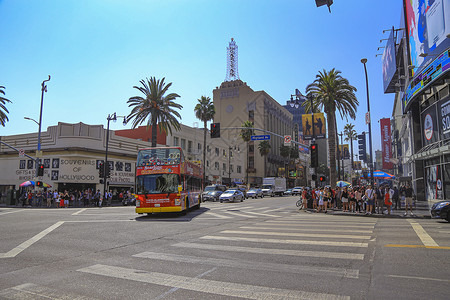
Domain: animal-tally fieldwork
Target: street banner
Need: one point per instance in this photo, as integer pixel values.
(357, 165)
(319, 126)
(386, 143)
(343, 149)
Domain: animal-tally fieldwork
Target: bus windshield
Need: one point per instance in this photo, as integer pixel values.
(159, 157)
(158, 183)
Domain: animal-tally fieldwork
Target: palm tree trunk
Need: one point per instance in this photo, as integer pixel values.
(154, 134)
(351, 150)
(332, 147)
(204, 154)
(340, 154)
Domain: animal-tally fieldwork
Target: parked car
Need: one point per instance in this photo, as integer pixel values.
(297, 190)
(231, 195)
(255, 193)
(288, 192)
(211, 196)
(441, 210)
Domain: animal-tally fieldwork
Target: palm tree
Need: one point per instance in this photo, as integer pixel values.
(264, 149)
(3, 109)
(204, 111)
(350, 135)
(246, 135)
(332, 92)
(156, 107)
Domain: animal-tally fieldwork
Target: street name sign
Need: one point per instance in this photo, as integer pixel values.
(260, 137)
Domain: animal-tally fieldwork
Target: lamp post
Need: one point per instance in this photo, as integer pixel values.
(44, 90)
(106, 169)
(364, 60)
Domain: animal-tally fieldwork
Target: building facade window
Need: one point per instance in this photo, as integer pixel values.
(231, 168)
(217, 151)
(224, 167)
(183, 144)
(216, 165)
(239, 169)
(207, 163)
(190, 146)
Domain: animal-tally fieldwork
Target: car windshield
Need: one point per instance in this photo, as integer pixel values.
(158, 184)
(210, 188)
(229, 192)
(253, 190)
(267, 186)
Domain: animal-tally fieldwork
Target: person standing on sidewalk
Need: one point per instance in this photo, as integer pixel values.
(387, 199)
(370, 195)
(408, 199)
(379, 199)
(396, 198)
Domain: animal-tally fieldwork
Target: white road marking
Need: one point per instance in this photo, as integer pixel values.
(79, 212)
(309, 229)
(316, 225)
(419, 278)
(233, 207)
(261, 208)
(227, 289)
(217, 215)
(426, 239)
(100, 221)
(276, 209)
(321, 254)
(261, 214)
(314, 235)
(296, 269)
(11, 212)
(33, 291)
(31, 241)
(277, 241)
(320, 222)
(238, 214)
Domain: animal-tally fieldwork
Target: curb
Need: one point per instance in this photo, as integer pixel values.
(385, 216)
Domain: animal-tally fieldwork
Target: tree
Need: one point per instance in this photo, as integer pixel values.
(3, 109)
(264, 149)
(246, 135)
(332, 92)
(350, 135)
(156, 107)
(204, 111)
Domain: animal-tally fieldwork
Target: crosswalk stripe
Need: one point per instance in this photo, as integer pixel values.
(276, 209)
(294, 221)
(277, 241)
(308, 229)
(226, 207)
(296, 269)
(33, 291)
(10, 211)
(426, 239)
(261, 214)
(261, 208)
(315, 225)
(217, 215)
(228, 289)
(321, 254)
(314, 235)
(238, 214)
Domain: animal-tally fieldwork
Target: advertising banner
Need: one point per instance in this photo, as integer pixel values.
(389, 64)
(429, 127)
(319, 126)
(428, 23)
(444, 118)
(386, 143)
(357, 165)
(343, 149)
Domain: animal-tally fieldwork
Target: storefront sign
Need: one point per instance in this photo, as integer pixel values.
(386, 143)
(444, 118)
(430, 130)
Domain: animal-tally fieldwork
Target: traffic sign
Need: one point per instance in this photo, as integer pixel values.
(21, 153)
(287, 140)
(260, 137)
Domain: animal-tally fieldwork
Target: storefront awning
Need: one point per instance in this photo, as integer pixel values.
(432, 150)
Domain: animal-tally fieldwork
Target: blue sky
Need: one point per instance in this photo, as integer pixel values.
(97, 50)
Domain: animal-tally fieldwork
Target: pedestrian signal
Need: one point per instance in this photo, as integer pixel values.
(215, 130)
(39, 183)
(40, 170)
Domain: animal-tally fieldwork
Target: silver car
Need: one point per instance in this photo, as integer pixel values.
(255, 193)
(231, 195)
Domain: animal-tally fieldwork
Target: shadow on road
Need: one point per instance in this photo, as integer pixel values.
(173, 216)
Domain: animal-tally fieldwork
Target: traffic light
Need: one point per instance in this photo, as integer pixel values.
(39, 183)
(40, 170)
(322, 178)
(314, 150)
(107, 171)
(215, 130)
(101, 170)
(362, 147)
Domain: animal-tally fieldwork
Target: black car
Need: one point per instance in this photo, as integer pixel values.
(441, 210)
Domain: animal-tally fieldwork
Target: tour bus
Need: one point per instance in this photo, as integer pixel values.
(166, 182)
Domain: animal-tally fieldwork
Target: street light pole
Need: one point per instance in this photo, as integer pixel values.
(364, 60)
(229, 165)
(43, 89)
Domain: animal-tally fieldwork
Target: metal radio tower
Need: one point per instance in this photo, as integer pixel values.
(232, 61)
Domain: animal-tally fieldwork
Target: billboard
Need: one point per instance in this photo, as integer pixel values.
(319, 126)
(389, 64)
(427, 24)
(430, 130)
(343, 149)
(386, 148)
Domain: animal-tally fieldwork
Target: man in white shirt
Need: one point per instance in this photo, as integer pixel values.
(370, 195)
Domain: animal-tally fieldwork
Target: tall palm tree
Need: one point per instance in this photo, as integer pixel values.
(3, 109)
(332, 92)
(264, 149)
(204, 111)
(156, 107)
(350, 135)
(246, 135)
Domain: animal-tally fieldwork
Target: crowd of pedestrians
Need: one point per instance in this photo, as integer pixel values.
(82, 198)
(359, 199)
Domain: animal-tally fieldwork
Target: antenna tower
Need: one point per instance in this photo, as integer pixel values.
(232, 61)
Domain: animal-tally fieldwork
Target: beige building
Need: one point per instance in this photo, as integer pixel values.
(71, 154)
(235, 103)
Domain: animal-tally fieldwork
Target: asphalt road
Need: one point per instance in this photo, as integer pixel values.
(257, 249)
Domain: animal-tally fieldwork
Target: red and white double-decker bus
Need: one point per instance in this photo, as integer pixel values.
(165, 182)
